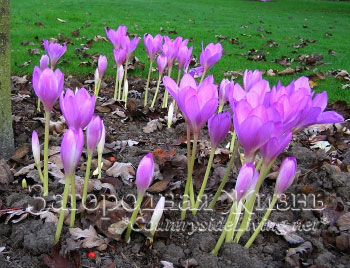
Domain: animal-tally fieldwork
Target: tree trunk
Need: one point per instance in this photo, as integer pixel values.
(6, 132)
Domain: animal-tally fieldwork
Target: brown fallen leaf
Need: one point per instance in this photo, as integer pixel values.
(161, 155)
(75, 33)
(58, 261)
(20, 152)
(90, 238)
(124, 170)
(6, 175)
(287, 71)
(103, 109)
(159, 186)
(39, 24)
(34, 52)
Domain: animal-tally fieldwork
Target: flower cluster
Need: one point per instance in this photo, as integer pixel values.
(262, 118)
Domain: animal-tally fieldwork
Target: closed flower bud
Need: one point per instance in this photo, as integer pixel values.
(101, 143)
(102, 65)
(286, 175)
(44, 62)
(120, 73)
(246, 178)
(157, 214)
(36, 148)
(162, 62)
(71, 150)
(218, 126)
(93, 133)
(144, 174)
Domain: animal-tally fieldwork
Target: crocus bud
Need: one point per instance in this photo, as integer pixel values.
(71, 150)
(102, 65)
(286, 175)
(93, 133)
(225, 88)
(101, 143)
(36, 148)
(44, 62)
(48, 86)
(245, 179)
(96, 76)
(157, 214)
(119, 56)
(218, 126)
(55, 51)
(144, 173)
(170, 114)
(77, 108)
(162, 62)
(120, 73)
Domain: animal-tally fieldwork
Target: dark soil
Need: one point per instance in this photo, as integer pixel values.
(29, 242)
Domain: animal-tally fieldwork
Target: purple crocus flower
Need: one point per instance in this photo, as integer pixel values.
(93, 133)
(218, 126)
(255, 126)
(298, 108)
(197, 102)
(116, 36)
(184, 56)
(102, 65)
(210, 56)
(246, 180)
(71, 150)
(44, 62)
(36, 148)
(55, 51)
(119, 56)
(129, 45)
(169, 50)
(250, 78)
(48, 86)
(286, 175)
(153, 45)
(161, 62)
(274, 146)
(144, 173)
(226, 88)
(77, 108)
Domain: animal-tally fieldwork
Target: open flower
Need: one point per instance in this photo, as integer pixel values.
(55, 51)
(255, 126)
(197, 102)
(77, 108)
(184, 56)
(71, 150)
(210, 56)
(153, 45)
(218, 126)
(116, 36)
(250, 78)
(129, 45)
(48, 86)
(144, 173)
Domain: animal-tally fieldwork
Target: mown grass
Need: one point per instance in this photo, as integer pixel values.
(199, 20)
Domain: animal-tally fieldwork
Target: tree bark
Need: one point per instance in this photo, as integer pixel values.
(6, 132)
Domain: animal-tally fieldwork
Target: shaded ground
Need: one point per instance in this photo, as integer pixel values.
(321, 241)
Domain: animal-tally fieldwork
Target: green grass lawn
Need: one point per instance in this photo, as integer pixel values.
(252, 22)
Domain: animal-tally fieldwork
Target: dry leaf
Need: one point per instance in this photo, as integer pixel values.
(152, 126)
(91, 239)
(124, 170)
(159, 186)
